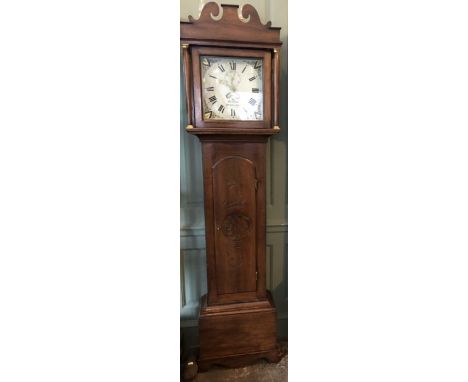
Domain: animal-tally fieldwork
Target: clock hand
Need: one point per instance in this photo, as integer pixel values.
(226, 83)
(232, 83)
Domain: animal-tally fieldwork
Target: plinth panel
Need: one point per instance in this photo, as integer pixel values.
(238, 334)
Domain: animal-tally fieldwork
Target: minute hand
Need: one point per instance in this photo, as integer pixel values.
(233, 88)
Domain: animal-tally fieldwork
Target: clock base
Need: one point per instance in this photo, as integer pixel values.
(237, 334)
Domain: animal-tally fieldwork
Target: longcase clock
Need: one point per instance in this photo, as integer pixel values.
(231, 69)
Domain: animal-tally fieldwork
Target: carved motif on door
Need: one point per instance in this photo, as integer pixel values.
(235, 211)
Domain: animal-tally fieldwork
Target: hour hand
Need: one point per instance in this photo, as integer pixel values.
(227, 84)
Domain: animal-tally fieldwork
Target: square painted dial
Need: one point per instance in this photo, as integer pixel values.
(232, 88)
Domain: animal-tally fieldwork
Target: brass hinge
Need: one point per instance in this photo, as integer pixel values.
(256, 184)
(256, 276)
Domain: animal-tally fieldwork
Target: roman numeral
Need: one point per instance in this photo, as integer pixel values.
(233, 113)
(206, 62)
(221, 109)
(208, 114)
(232, 65)
(257, 65)
(252, 102)
(252, 78)
(221, 67)
(255, 90)
(213, 76)
(210, 89)
(245, 67)
(212, 99)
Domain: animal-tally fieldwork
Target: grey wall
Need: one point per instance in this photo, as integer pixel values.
(192, 241)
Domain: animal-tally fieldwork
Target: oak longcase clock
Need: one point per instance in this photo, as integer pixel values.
(231, 69)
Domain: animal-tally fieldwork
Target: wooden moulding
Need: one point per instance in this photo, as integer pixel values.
(188, 84)
(229, 28)
(276, 81)
(213, 310)
(199, 122)
(232, 131)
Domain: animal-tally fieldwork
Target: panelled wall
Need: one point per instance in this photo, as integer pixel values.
(193, 281)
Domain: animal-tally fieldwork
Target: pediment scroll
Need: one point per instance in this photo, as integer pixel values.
(227, 22)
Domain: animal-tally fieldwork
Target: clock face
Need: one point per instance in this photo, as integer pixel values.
(232, 88)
